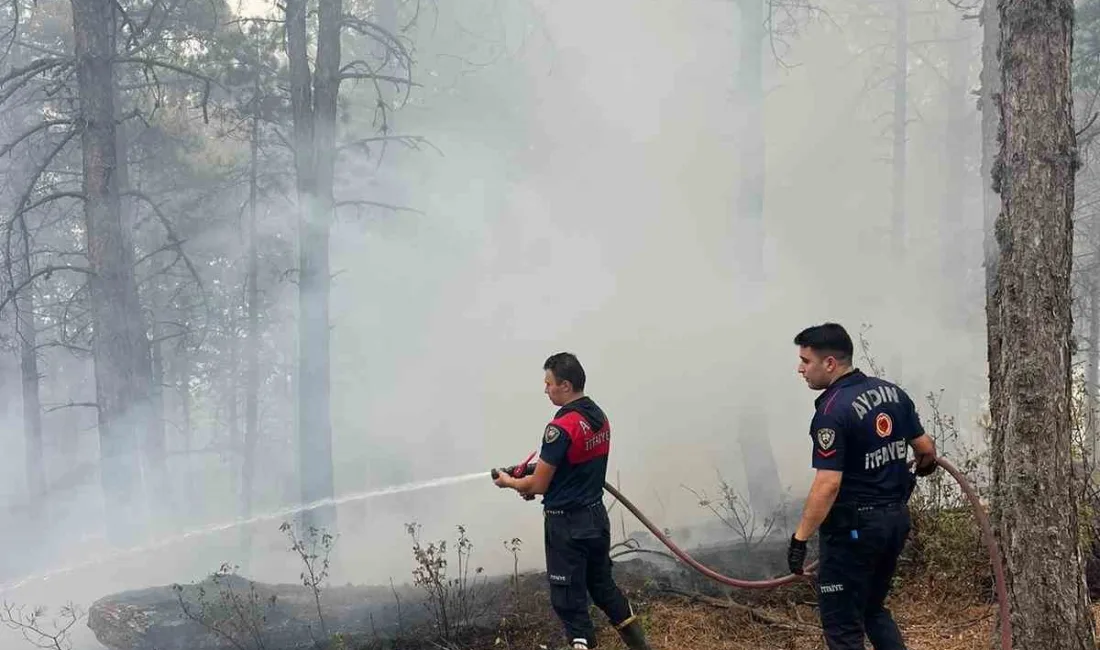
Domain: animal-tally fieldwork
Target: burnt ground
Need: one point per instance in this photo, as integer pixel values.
(681, 610)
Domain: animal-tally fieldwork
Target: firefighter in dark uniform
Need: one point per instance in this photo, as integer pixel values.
(570, 473)
(861, 432)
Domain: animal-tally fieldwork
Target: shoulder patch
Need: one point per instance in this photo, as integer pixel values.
(825, 438)
(551, 434)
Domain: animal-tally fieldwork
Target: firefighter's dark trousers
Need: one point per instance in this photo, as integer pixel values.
(578, 564)
(859, 549)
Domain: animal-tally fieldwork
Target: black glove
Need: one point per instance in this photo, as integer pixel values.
(926, 470)
(796, 555)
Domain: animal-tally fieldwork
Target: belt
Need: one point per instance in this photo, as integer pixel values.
(557, 512)
(866, 507)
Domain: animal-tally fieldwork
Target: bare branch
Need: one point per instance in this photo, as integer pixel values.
(41, 127)
(376, 204)
(17, 79)
(45, 272)
(411, 141)
(376, 77)
(91, 405)
(29, 625)
(178, 245)
(49, 199)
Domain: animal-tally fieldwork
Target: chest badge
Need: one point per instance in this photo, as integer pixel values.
(884, 426)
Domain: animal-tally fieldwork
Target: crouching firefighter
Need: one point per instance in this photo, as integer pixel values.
(570, 473)
(861, 431)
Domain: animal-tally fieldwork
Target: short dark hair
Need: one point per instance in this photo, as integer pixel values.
(565, 367)
(829, 338)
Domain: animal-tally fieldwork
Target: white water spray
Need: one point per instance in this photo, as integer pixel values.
(237, 523)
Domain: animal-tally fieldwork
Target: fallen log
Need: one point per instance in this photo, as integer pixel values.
(227, 612)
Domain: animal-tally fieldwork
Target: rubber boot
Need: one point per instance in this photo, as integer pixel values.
(632, 634)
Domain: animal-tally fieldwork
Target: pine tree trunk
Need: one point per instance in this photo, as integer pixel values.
(898, 227)
(314, 113)
(762, 474)
(1034, 491)
(252, 341)
(749, 244)
(120, 347)
(1092, 371)
(26, 332)
(957, 134)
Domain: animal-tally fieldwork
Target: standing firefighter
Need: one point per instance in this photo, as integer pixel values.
(861, 432)
(571, 470)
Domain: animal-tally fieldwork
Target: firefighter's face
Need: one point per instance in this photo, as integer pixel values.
(817, 369)
(558, 392)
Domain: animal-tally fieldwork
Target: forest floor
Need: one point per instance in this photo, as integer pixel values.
(781, 619)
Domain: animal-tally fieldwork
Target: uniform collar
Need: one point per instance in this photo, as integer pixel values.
(847, 379)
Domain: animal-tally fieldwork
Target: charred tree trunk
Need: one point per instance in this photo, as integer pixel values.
(749, 246)
(314, 110)
(898, 156)
(252, 340)
(1034, 489)
(152, 432)
(762, 474)
(156, 349)
(27, 333)
(901, 103)
(120, 348)
(1092, 372)
(991, 123)
(957, 143)
(183, 386)
(232, 393)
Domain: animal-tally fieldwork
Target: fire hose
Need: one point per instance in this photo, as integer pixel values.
(526, 468)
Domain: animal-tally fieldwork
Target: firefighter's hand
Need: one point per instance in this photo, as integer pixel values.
(503, 480)
(796, 555)
(927, 470)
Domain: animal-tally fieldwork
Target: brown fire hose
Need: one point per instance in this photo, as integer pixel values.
(972, 496)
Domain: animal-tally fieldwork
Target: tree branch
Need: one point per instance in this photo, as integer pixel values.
(41, 127)
(46, 272)
(91, 405)
(375, 204)
(375, 77)
(755, 613)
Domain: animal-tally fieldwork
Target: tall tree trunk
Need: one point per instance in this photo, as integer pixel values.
(165, 494)
(232, 394)
(1092, 372)
(1034, 492)
(751, 146)
(252, 342)
(989, 98)
(901, 103)
(957, 130)
(27, 334)
(899, 168)
(762, 474)
(991, 123)
(120, 348)
(152, 433)
(315, 139)
(190, 502)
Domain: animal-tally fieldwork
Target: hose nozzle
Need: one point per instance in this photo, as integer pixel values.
(516, 471)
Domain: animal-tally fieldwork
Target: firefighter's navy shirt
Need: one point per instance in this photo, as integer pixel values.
(862, 427)
(577, 442)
